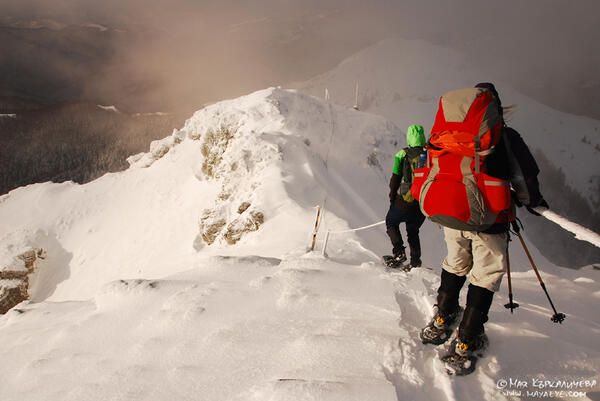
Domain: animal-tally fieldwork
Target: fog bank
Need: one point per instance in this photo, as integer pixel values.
(162, 54)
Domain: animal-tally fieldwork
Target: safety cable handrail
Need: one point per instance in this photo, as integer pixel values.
(347, 231)
(356, 229)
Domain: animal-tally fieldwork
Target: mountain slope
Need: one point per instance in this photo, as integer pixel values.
(131, 302)
(403, 80)
(267, 149)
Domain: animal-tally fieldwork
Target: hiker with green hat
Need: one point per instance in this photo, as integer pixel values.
(403, 207)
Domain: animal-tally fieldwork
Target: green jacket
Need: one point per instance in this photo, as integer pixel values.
(415, 137)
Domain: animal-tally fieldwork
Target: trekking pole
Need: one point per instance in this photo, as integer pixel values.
(557, 317)
(512, 305)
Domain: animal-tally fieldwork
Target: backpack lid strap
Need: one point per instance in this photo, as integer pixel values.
(486, 152)
(477, 152)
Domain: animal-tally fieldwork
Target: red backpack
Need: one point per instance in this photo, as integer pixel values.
(453, 190)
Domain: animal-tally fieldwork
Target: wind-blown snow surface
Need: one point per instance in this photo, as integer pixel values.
(130, 304)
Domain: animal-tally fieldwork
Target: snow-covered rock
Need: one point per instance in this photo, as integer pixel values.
(17, 265)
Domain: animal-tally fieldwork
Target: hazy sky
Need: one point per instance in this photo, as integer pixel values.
(190, 52)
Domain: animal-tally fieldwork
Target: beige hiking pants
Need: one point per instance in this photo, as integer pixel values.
(484, 255)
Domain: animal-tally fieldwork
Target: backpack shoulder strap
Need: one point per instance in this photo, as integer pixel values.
(412, 157)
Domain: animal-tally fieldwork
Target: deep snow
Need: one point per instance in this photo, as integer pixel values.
(131, 304)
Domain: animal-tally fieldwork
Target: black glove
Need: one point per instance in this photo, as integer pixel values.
(541, 204)
(515, 198)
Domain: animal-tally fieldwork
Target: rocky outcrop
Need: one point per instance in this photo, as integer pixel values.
(233, 164)
(12, 292)
(244, 224)
(214, 144)
(214, 223)
(211, 224)
(14, 278)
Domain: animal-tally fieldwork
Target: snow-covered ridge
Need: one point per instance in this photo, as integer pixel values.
(93, 25)
(132, 302)
(32, 24)
(236, 166)
(114, 109)
(256, 141)
(109, 108)
(46, 23)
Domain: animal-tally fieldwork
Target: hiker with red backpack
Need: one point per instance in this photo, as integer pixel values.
(403, 207)
(474, 160)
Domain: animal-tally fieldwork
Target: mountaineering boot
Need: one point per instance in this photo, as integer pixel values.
(415, 263)
(397, 260)
(397, 244)
(462, 356)
(479, 301)
(471, 339)
(400, 256)
(415, 250)
(440, 328)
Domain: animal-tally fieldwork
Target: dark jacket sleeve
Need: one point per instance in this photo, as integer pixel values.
(525, 169)
(394, 185)
(512, 160)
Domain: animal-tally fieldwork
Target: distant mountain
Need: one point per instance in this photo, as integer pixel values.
(57, 62)
(77, 141)
(144, 65)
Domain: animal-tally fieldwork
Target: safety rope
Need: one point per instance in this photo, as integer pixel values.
(323, 252)
(357, 229)
(322, 209)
